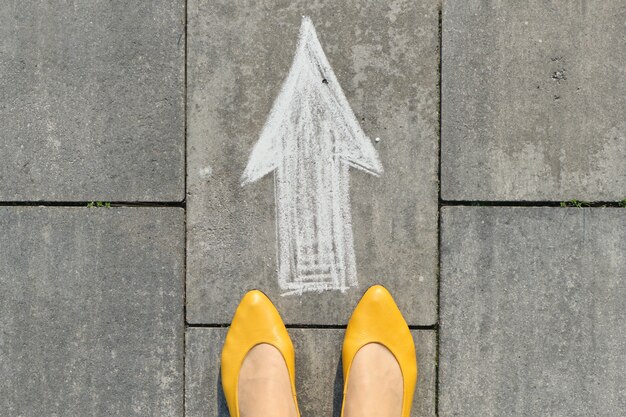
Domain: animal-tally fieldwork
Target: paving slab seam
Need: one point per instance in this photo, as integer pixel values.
(434, 327)
(179, 204)
(185, 123)
(439, 205)
(185, 51)
(514, 203)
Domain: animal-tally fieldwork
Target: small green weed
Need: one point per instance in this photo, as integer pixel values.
(93, 204)
(575, 203)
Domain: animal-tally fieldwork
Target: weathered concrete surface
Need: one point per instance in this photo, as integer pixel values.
(319, 379)
(385, 56)
(533, 100)
(91, 312)
(91, 100)
(532, 312)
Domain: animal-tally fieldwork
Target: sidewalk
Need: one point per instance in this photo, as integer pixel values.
(494, 122)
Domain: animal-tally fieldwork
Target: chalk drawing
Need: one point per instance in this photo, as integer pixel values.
(309, 141)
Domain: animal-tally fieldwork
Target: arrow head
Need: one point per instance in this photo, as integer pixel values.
(310, 99)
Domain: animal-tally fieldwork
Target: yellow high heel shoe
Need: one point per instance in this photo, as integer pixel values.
(376, 319)
(256, 321)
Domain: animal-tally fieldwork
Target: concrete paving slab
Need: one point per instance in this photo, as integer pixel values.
(385, 58)
(91, 311)
(319, 379)
(91, 100)
(533, 98)
(532, 312)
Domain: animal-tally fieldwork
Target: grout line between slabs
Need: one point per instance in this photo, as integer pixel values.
(300, 326)
(442, 203)
(439, 205)
(184, 364)
(528, 203)
(180, 204)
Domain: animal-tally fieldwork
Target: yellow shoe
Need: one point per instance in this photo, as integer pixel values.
(256, 321)
(376, 319)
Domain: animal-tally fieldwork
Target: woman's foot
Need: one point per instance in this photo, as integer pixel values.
(379, 363)
(258, 361)
(264, 388)
(375, 385)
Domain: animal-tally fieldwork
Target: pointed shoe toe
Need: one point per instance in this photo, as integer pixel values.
(377, 319)
(256, 321)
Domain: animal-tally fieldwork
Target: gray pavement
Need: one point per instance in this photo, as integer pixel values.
(533, 100)
(159, 104)
(91, 100)
(91, 311)
(389, 76)
(532, 312)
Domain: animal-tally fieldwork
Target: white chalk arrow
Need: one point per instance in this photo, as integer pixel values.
(310, 139)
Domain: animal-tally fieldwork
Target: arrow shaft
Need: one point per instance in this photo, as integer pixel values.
(313, 211)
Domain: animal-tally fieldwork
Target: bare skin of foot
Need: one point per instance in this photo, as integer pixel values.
(375, 386)
(264, 388)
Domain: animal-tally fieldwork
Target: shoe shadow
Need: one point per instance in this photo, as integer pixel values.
(338, 390)
(222, 406)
